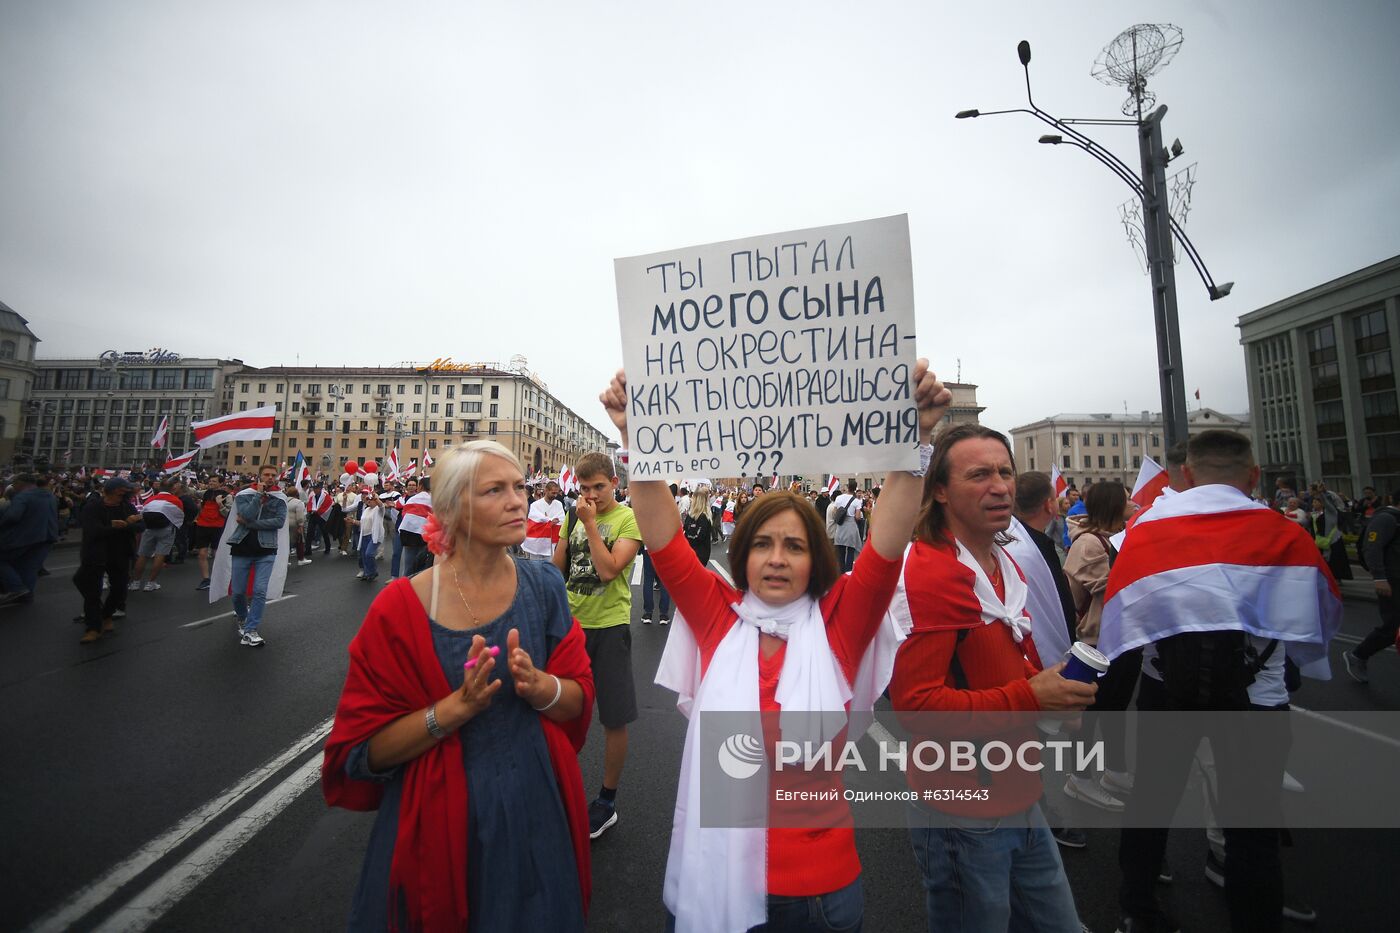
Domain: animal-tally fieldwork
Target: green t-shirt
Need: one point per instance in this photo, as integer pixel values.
(594, 603)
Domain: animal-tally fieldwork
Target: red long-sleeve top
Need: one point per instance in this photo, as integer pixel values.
(942, 602)
(801, 862)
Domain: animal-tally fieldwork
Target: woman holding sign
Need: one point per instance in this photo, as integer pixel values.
(791, 635)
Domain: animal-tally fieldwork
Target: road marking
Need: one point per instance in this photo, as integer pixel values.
(637, 573)
(94, 895)
(1384, 739)
(719, 569)
(143, 910)
(64, 567)
(225, 615)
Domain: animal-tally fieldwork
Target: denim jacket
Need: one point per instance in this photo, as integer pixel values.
(265, 517)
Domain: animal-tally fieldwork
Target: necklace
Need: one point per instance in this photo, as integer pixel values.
(476, 623)
(995, 575)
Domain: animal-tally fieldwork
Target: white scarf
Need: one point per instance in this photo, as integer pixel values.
(1011, 612)
(716, 878)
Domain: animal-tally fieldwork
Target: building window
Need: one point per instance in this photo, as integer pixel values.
(242, 406)
(4, 390)
(471, 408)
(471, 427)
(1101, 463)
(451, 391)
(433, 408)
(1030, 443)
(1113, 440)
(1156, 440)
(491, 426)
(246, 386)
(1137, 461)
(1116, 462)
(1380, 412)
(1064, 440)
(1085, 441)
(1088, 462)
(363, 443)
(418, 388)
(1064, 461)
(326, 443)
(471, 390)
(256, 459)
(437, 389)
(494, 410)
(495, 391)
(76, 379)
(237, 459)
(1135, 440)
(1100, 440)
(7, 349)
(1322, 359)
(296, 387)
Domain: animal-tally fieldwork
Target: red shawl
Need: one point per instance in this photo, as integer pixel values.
(395, 671)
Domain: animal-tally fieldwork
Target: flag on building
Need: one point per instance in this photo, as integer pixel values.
(166, 504)
(1058, 482)
(162, 435)
(1151, 480)
(175, 464)
(832, 485)
(252, 425)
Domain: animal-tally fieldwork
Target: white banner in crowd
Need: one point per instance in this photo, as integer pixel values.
(763, 355)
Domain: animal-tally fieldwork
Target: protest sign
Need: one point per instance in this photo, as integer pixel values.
(787, 353)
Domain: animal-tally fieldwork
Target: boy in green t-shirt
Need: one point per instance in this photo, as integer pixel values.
(595, 557)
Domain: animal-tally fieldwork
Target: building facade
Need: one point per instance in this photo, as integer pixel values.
(336, 414)
(1093, 448)
(17, 343)
(104, 411)
(1321, 368)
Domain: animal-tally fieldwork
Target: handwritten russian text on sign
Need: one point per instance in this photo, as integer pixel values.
(787, 353)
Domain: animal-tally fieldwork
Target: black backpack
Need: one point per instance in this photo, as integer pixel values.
(841, 513)
(1211, 670)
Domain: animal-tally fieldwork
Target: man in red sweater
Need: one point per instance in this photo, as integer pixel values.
(987, 856)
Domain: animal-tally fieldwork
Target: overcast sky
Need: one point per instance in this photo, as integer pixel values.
(362, 183)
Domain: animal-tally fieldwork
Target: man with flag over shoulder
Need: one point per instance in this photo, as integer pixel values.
(1223, 588)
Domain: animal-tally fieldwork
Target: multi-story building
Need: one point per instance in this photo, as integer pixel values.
(1092, 448)
(17, 343)
(104, 411)
(1321, 367)
(336, 414)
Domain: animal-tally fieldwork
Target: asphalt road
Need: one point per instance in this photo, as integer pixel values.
(131, 793)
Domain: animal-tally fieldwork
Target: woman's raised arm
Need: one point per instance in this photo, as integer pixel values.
(657, 517)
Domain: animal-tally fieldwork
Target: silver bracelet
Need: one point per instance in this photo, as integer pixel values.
(558, 692)
(925, 457)
(434, 729)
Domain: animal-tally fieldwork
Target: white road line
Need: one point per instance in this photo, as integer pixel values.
(224, 615)
(64, 567)
(89, 898)
(143, 910)
(636, 573)
(719, 568)
(1384, 739)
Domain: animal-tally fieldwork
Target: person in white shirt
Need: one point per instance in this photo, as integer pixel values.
(543, 525)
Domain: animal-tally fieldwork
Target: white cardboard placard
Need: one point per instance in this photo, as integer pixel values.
(787, 353)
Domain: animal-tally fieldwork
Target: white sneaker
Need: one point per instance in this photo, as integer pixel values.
(344, 554)
(1117, 782)
(360, 575)
(303, 563)
(133, 586)
(1356, 667)
(152, 587)
(1087, 790)
(252, 640)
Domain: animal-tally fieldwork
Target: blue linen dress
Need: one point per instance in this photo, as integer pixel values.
(521, 870)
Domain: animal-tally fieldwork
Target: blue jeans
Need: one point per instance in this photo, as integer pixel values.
(398, 552)
(412, 554)
(368, 548)
(250, 612)
(650, 579)
(985, 875)
(840, 911)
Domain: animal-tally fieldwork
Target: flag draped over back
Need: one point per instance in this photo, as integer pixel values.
(416, 512)
(1211, 559)
(252, 425)
(168, 505)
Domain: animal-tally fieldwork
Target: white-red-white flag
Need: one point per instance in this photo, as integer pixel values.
(252, 425)
(1058, 482)
(416, 512)
(427, 459)
(158, 440)
(168, 505)
(410, 471)
(1151, 480)
(391, 466)
(175, 464)
(1211, 553)
(566, 479)
(832, 485)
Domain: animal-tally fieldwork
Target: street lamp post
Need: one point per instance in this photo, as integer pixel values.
(1158, 228)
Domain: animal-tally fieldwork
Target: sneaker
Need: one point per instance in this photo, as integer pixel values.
(1119, 783)
(1356, 667)
(1164, 873)
(133, 586)
(360, 575)
(1070, 837)
(252, 640)
(602, 814)
(1297, 911)
(663, 621)
(646, 619)
(1086, 790)
(303, 563)
(344, 554)
(119, 613)
(1215, 869)
(203, 584)
(151, 587)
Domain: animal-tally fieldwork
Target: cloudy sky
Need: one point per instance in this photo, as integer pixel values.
(365, 183)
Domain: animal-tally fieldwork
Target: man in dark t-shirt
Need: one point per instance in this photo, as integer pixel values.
(109, 522)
